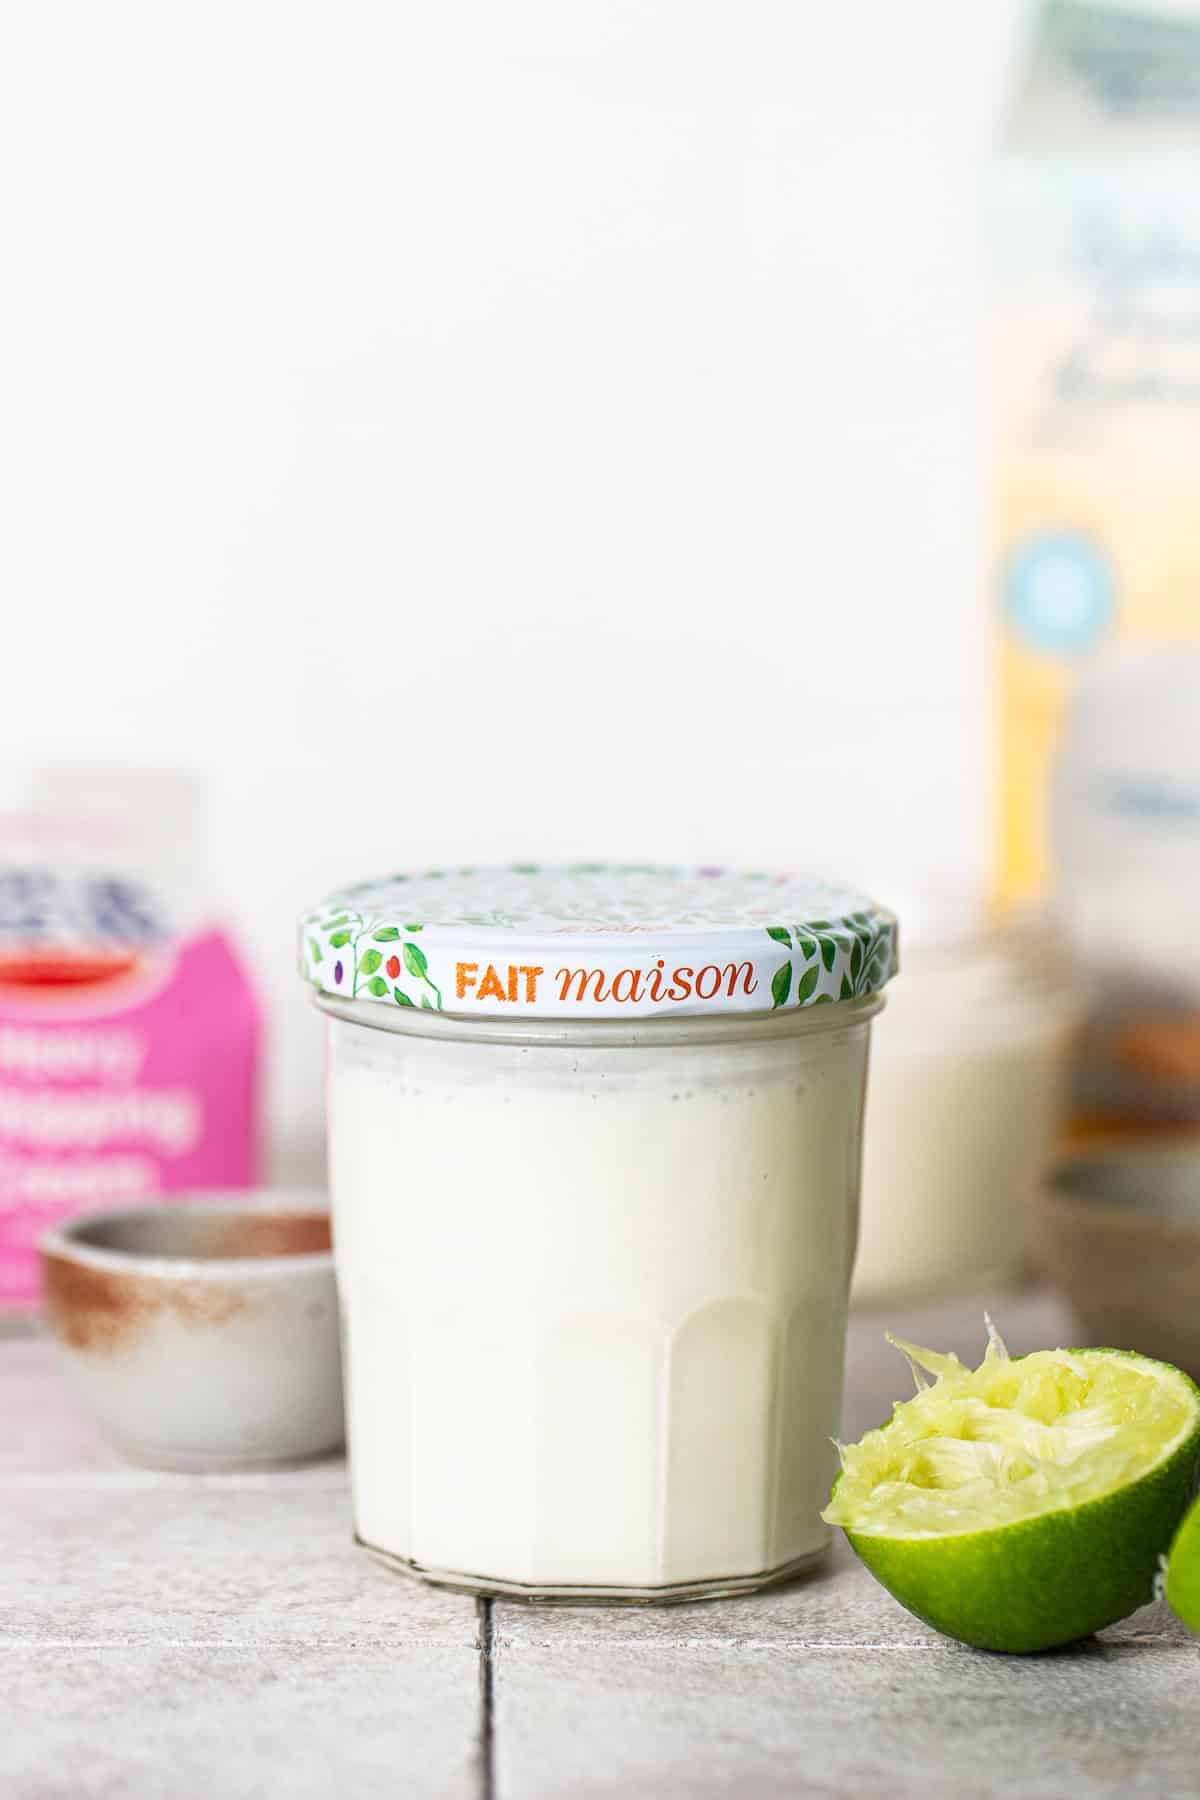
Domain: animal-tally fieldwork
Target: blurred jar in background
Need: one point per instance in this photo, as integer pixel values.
(964, 1103)
(1126, 831)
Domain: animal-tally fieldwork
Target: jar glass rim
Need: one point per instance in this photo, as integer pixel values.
(692, 1028)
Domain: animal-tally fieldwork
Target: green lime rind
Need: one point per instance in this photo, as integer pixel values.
(1038, 1583)
(1183, 1571)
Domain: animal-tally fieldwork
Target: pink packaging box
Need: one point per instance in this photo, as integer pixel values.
(129, 1039)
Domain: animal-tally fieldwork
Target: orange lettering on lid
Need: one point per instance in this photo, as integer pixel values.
(491, 987)
(681, 985)
(632, 980)
(746, 971)
(583, 979)
(705, 989)
(531, 974)
(465, 974)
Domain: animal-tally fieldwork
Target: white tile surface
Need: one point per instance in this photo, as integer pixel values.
(576, 1723)
(173, 1635)
(307, 1722)
(168, 1635)
(206, 1567)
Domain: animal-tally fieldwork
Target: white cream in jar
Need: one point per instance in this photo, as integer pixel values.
(594, 1252)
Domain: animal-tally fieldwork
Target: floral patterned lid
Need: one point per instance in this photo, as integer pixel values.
(618, 940)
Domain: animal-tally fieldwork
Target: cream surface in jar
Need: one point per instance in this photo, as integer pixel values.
(594, 1251)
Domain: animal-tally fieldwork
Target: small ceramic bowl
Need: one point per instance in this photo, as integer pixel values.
(1121, 1237)
(201, 1334)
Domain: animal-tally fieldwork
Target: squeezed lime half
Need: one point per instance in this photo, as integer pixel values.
(1028, 1502)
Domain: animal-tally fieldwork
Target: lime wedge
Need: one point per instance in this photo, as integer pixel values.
(1183, 1571)
(1025, 1503)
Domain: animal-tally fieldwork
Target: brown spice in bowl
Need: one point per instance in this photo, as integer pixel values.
(105, 1310)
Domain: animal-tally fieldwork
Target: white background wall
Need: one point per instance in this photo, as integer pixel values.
(490, 429)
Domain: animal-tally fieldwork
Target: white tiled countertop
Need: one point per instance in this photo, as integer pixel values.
(182, 1636)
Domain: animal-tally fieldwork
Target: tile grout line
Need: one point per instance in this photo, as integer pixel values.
(731, 1646)
(485, 1610)
(488, 1656)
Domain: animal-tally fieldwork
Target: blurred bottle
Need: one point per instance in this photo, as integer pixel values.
(1095, 354)
(129, 1030)
(1126, 833)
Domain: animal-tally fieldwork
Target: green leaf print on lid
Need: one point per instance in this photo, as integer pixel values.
(806, 984)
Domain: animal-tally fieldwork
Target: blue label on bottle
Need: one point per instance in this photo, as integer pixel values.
(1060, 595)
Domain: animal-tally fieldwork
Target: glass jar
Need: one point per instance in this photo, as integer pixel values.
(594, 1268)
(968, 1081)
